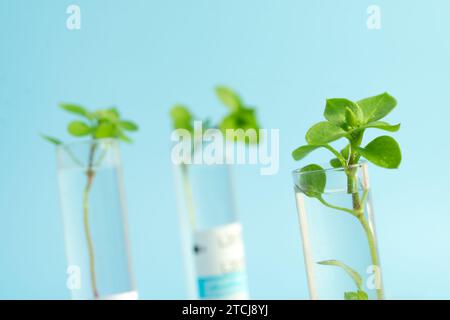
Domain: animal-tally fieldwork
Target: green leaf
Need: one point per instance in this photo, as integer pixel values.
(53, 140)
(105, 130)
(383, 151)
(76, 109)
(303, 151)
(113, 112)
(335, 163)
(244, 118)
(377, 107)
(351, 272)
(124, 137)
(323, 133)
(181, 117)
(381, 125)
(111, 115)
(229, 98)
(357, 295)
(363, 295)
(337, 109)
(79, 129)
(103, 123)
(350, 118)
(312, 180)
(128, 125)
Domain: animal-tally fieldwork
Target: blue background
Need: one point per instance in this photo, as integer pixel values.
(285, 57)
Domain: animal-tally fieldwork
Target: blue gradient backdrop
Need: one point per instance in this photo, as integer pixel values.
(285, 57)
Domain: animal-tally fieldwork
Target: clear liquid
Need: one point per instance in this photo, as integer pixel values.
(212, 196)
(330, 234)
(107, 222)
(208, 217)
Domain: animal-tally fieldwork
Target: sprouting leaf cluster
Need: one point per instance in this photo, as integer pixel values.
(239, 116)
(345, 119)
(99, 124)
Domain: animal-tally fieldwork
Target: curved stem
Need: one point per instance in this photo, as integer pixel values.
(72, 156)
(369, 234)
(336, 154)
(87, 230)
(324, 202)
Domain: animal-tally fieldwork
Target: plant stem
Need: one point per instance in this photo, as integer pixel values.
(87, 230)
(336, 154)
(188, 195)
(358, 209)
(373, 255)
(324, 202)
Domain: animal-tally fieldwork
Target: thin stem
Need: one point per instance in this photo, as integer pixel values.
(87, 230)
(72, 156)
(336, 154)
(373, 254)
(370, 236)
(188, 195)
(102, 156)
(324, 202)
(358, 207)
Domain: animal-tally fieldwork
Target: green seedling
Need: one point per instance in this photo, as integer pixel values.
(349, 120)
(99, 124)
(239, 116)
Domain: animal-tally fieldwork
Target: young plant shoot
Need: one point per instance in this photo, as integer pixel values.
(349, 120)
(99, 124)
(239, 116)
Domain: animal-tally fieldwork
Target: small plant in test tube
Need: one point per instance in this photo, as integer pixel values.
(206, 199)
(93, 203)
